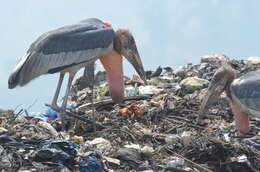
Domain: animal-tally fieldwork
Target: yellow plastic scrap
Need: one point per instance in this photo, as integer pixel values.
(78, 139)
(102, 90)
(2, 118)
(2, 130)
(157, 100)
(160, 96)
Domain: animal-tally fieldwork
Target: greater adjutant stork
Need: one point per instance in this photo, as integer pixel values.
(70, 48)
(243, 94)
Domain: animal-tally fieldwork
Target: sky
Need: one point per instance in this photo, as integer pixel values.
(167, 32)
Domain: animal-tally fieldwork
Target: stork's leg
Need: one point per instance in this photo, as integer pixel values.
(56, 95)
(241, 119)
(65, 100)
(89, 73)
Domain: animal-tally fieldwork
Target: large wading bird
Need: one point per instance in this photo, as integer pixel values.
(68, 49)
(243, 94)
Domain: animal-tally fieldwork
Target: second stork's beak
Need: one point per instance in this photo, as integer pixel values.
(216, 87)
(130, 52)
(211, 97)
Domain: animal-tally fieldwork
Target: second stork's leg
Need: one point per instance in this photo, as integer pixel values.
(241, 119)
(65, 100)
(56, 95)
(89, 73)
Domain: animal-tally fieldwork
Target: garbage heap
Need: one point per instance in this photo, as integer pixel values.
(155, 129)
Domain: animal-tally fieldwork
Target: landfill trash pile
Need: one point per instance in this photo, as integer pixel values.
(155, 129)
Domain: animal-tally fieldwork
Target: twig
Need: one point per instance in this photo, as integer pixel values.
(127, 132)
(174, 169)
(179, 118)
(186, 122)
(110, 101)
(195, 126)
(195, 165)
(32, 104)
(16, 115)
(73, 114)
(17, 107)
(172, 128)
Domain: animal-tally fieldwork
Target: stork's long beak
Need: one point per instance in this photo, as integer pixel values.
(216, 87)
(130, 52)
(211, 97)
(132, 55)
(124, 45)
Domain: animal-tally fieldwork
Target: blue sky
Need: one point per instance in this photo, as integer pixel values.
(168, 33)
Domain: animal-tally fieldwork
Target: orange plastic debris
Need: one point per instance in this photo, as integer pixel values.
(124, 112)
(136, 109)
(156, 103)
(160, 96)
(157, 100)
(131, 109)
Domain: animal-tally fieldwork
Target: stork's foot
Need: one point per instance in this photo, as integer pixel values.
(62, 116)
(60, 125)
(63, 119)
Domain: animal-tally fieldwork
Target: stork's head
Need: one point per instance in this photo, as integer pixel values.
(124, 44)
(219, 83)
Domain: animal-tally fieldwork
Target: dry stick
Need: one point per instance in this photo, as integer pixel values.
(179, 118)
(72, 114)
(172, 128)
(16, 115)
(190, 162)
(189, 124)
(127, 132)
(32, 104)
(17, 107)
(174, 169)
(110, 101)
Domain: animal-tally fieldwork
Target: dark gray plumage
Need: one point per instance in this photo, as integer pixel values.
(245, 90)
(243, 95)
(65, 47)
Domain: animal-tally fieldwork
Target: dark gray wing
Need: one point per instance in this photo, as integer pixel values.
(88, 34)
(63, 47)
(246, 90)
